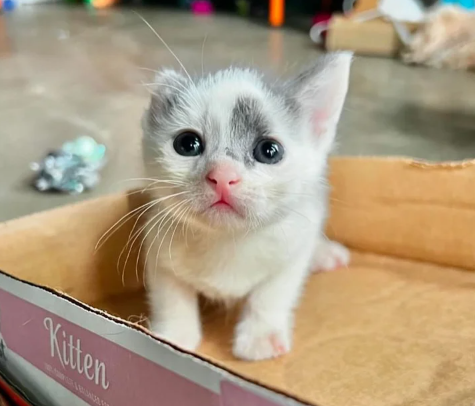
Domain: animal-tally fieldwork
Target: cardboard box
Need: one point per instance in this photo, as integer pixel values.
(396, 328)
(374, 37)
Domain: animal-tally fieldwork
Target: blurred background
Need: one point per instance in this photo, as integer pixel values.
(71, 69)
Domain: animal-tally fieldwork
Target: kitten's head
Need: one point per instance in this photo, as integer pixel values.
(230, 150)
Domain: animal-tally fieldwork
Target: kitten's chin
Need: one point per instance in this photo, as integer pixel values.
(222, 217)
(225, 219)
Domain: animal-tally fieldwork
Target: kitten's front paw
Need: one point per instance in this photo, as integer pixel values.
(256, 341)
(329, 256)
(181, 335)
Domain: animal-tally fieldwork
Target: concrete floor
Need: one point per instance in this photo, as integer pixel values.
(65, 72)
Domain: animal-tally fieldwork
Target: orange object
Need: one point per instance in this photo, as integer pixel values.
(102, 3)
(364, 5)
(276, 12)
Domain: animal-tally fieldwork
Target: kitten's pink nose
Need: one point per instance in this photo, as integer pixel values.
(222, 177)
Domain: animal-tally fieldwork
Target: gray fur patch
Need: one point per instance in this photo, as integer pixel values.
(231, 154)
(247, 119)
(291, 104)
(247, 124)
(285, 94)
(162, 106)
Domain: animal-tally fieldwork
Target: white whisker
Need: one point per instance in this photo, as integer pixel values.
(145, 238)
(123, 219)
(202, 54)
(165, 44)
(134, 236)
(148, 189)
(183, 212)
(162, 199)
(181, 92)
(168, 229)
(146, 235)
(160, 228)
(151, 180)
(148, 69)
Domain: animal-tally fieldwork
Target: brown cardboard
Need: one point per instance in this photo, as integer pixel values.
(374, 37)
(396, 328)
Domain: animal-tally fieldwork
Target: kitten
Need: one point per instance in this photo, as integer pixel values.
(242, 198)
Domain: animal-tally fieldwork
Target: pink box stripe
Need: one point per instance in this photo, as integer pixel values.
(95, 369)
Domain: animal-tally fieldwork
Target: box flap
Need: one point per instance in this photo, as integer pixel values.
(57, 248)
(405, 208)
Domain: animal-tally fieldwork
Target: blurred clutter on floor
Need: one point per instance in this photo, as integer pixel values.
(446, 39)
(440, 34)
(72, 169)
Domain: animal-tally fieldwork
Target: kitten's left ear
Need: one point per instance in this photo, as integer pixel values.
(166, 87)
(321, 91)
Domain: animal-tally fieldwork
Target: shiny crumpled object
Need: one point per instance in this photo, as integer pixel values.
(72, 169)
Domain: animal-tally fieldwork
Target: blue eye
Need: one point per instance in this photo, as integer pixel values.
(268, 151)
(188, 143)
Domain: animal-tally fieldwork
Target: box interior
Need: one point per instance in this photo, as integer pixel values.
(395, 328)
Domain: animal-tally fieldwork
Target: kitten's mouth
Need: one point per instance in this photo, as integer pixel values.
(224, 206)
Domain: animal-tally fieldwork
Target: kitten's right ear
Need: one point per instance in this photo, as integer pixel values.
(168, 84)
(321, 90)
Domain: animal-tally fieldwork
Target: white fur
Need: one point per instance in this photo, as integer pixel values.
(265, 255)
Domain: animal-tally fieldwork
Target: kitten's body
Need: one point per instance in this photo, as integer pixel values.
(263, 246)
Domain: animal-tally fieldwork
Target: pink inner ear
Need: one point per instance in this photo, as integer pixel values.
(320, 121)
(324, 114)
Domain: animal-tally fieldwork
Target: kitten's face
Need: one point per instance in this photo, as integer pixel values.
(232, 152)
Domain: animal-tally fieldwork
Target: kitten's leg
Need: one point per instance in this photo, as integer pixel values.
(265, 329)
(330, 255)
(175, 311)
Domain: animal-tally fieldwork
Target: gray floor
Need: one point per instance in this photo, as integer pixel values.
(67, 72)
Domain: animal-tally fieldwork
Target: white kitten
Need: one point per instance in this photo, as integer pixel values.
(241, 198)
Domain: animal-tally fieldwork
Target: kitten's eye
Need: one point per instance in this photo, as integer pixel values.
(268, 151)
(188, 143)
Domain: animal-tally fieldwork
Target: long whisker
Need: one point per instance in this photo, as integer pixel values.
(160, 227)
(122, 253)
(173, 207)
(152, 180)
(179, 91)
(148, 69)
(188, 215)
(137, 234)
(175, 219)
(150, 247)
(137, 220)
(134, 236)
(148, 189)
(187, 226)
(123, 219)
(165, 44)
(145, 207)
(202, 55)
(159, 222)
(183, 212)
(168, 229)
